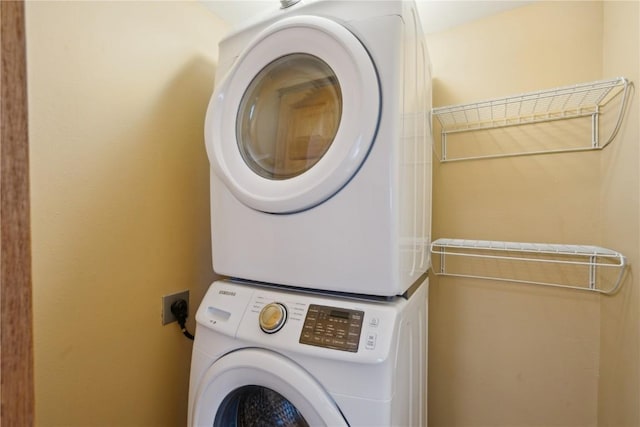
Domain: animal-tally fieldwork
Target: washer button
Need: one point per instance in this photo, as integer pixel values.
(371, 340)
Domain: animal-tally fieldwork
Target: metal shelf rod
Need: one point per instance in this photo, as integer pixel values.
(540, 260)
(523, 121)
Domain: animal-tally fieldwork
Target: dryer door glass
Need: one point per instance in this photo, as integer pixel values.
(254, 406)
(295, 117)
(289, 116)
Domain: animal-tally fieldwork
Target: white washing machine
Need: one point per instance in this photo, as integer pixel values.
(319, 139)
(268, 356)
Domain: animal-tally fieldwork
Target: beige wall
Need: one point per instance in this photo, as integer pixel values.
(117, 94)
(619, 395)
(120, 217)
(515, 355)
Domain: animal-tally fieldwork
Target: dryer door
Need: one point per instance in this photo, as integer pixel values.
(254, 387)
(295, 117)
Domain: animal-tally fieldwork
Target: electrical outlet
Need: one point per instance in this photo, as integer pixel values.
(167, 300)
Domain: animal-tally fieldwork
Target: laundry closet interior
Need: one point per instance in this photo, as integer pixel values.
(526, 223)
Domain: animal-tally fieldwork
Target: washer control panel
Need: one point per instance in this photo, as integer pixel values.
(332, 327)
(297, 322)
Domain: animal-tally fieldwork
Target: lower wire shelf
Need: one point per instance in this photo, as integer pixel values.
(580, 267)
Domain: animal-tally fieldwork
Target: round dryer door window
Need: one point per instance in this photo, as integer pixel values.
(295, 117)
(289, 116)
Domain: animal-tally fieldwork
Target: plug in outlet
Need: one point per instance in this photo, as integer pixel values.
(167, 300)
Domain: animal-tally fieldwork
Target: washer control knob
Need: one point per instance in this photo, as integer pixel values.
(273, 317)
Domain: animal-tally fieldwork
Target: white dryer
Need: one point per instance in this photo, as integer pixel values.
(268, 356)
(319, 139)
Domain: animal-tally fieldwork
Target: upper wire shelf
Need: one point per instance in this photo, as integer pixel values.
(582, 267)
(581, 100)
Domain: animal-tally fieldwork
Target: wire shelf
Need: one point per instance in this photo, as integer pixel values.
(602, 269)
(581, 100)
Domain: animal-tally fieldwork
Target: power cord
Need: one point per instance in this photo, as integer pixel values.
(180, 309)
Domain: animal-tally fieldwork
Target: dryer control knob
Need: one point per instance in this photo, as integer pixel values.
(273, 317)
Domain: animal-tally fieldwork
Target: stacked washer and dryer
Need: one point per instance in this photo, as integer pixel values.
(319, 139)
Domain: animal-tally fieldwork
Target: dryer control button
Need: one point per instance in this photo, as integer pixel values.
(273, 317)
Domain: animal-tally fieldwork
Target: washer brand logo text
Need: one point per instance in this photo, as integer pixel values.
(233, 294)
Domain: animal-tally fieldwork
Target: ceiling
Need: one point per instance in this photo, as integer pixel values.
(437, 15)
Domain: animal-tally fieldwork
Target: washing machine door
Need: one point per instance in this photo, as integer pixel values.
(256, 387)
(295, 116)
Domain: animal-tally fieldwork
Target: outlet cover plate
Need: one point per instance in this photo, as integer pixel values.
(167, 300)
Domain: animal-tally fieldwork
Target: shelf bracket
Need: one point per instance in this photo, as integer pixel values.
(592, 272)
(443, 142)
(594, 128)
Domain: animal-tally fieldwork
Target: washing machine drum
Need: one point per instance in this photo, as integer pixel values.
(256, 406)
(295, 117)
(259, 388)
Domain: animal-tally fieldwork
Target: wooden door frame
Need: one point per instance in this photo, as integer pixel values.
(16, 336)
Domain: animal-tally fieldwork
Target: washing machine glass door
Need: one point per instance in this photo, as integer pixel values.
(295, 116)
(256, 387)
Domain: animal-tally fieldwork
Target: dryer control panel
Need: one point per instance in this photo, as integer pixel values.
(332, 327)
